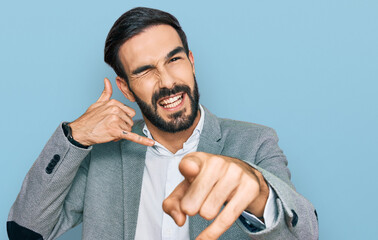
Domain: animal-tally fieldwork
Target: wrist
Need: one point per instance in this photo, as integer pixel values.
(69, 134)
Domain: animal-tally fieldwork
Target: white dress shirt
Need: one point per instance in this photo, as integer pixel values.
(161, 176)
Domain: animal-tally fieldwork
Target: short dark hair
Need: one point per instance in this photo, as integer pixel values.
(132, 23)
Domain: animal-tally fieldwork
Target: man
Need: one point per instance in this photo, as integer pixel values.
(182, 173)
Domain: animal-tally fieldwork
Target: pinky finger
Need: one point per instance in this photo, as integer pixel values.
(136, 138)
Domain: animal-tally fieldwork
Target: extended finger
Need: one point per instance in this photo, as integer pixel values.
(107, 92)
(190, 165)
(230, 213)
(171, 205)
(136, 138)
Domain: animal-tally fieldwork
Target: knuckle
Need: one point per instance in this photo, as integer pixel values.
(128, 128)
(251, 188)
(189, 155)
(193, 155)
(253, 184)
(207, 213)
(167, 204)
(213, 160)
(113, 118)
(132, 112)
(188, 209)
(115, 109)
(112, 101)
(215, 163)
(203, 155)
(234, 172)
(131, 124)
(235, 168)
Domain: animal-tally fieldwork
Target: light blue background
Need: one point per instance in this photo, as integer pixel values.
(309, 69)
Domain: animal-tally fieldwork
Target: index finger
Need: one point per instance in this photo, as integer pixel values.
(190, 166)
(136, 138)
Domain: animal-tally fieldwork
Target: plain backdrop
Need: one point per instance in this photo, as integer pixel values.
(309, 69)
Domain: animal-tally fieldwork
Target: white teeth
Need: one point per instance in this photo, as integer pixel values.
(173, 104)
(170, 100)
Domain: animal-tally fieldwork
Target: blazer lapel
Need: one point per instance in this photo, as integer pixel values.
(133, 161)
(210, 142)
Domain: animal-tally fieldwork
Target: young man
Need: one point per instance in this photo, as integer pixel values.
(165, 177)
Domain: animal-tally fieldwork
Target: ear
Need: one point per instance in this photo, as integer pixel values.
(191, 59)
(124, 87)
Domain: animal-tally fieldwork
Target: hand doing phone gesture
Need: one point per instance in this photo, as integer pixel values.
(106, 120)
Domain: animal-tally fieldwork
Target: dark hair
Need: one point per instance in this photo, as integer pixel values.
(132, 23)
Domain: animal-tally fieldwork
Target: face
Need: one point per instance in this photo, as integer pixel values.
(161, 78)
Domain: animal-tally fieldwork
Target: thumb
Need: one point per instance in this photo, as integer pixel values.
(108, 91)
(190, 166)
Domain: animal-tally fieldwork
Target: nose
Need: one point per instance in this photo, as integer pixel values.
(166, 80)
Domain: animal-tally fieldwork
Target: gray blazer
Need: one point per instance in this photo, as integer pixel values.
(101, 186)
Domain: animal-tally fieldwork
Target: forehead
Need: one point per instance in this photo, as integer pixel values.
(149, 46)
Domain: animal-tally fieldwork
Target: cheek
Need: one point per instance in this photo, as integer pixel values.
(182, 72)
(144, 90)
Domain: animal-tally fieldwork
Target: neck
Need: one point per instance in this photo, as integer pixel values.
(172, 141)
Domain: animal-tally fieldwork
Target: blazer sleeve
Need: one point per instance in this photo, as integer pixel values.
(297, 218)
(51, 198)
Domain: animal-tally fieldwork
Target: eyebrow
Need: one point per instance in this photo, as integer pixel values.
(142, 69)
(174, 52)
(169, 55)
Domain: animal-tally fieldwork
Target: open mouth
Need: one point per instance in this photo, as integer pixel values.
(172, 101)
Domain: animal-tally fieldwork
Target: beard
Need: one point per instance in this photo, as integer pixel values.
(178, 121)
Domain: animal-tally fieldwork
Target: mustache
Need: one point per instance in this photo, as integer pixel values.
(165, 92)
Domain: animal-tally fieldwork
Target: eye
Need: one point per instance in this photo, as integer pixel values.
(174, 59)
(143, 74)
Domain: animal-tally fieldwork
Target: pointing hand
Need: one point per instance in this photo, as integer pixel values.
(212, 181)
